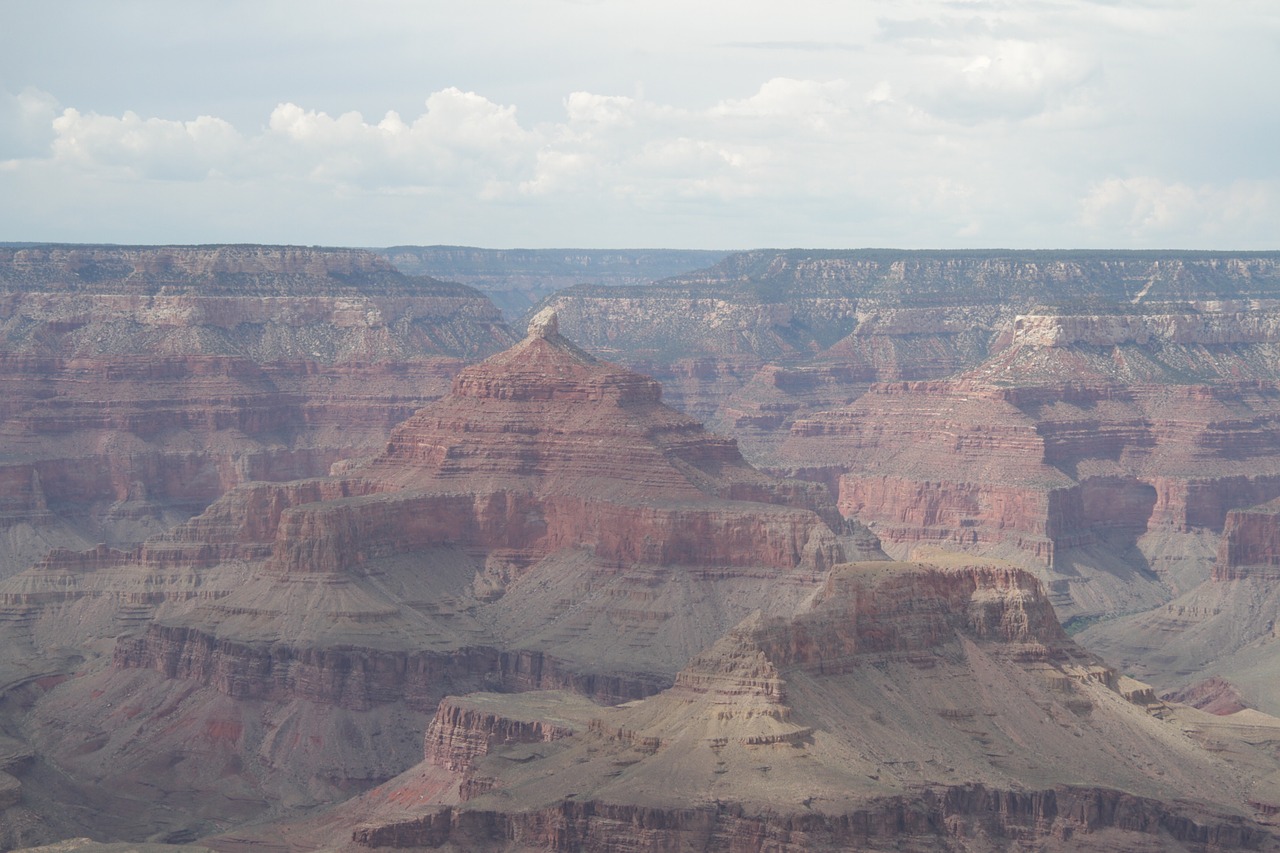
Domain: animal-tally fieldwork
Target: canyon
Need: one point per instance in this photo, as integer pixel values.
(139, 384)
(896, 710)
(548, 523)
(1092, 416)
(307, 551)
(518, 279)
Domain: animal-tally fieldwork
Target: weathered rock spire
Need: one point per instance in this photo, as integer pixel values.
(544, 324)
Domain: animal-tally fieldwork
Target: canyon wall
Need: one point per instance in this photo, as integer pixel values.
(751, 747)
(139, 383)
(518, 279)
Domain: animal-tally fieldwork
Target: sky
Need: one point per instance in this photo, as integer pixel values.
(611, 124)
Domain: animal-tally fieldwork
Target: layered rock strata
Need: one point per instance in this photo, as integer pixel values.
(891, 315)
(548, 524)
(518, 279)
(139, 383)
(1215, 645)
(1094, 415)
(851, 725)
(1250, 544)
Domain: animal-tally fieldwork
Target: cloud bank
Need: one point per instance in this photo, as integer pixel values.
(948, 124)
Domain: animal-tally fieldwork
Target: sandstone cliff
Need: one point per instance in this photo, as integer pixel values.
(139, 383)
(547, 524)
(518, 279)
(853, 724)
(1217, 642)
(1092, 414)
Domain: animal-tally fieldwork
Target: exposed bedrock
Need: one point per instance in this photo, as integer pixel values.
(517, 279)
(1223, 628)
(969, 817)
(360, 679)
(137, 384)
(1250, 545)
(1039, 471)
(548, 524)
(465, 728)
(810, 732)
(339, 536)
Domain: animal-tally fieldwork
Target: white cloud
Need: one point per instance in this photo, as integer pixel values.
(146, 148)
(1144, 209)
(461, 138)
(1006, 80)
(600, 110)
(809, 101)
(26, 123)
(912, 123)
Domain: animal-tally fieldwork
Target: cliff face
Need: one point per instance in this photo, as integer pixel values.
(548, 524)
(966, 818)
(839, 727)
(903, 315)
(284, 270)
(1061, 408)
(1250, 545)
(1214, 645)
(518, 279)
(140, 383)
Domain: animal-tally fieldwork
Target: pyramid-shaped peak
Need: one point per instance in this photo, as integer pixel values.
(548, 366)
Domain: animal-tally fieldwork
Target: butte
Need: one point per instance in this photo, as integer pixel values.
(547, 524)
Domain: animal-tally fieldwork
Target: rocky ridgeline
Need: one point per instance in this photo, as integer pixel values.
(771, 346)
(795, 304)
(243, 270)
(1209, 328)
(548, 524)
(466, 728)
(745, 751)
(518, 279)
(1057, 818)
(995, 276)
(1050, 407)
(139, 383)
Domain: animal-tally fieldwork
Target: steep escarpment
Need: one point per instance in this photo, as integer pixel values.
(518, 279)
(549, 524)
(819, 731)
(139, 383)
(899, 314)
(1250, 544)
(542, 464)
(1068, 454)
(1216, 642)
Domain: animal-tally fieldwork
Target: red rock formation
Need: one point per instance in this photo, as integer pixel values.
(1213, 695)
(139, 384)
(817, 732)
(1059, 436)
(966, 818)
(1250, 545)
(538, 452)
(466, 728)
(624, 537)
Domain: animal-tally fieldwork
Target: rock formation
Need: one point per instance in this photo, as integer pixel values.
(140, 383)
(900, 710)
(547, 524)
(568, 617)
(518, 279)
(1091, 415)
(1215, 645)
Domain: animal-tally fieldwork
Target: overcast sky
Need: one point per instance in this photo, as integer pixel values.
(912, 123)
